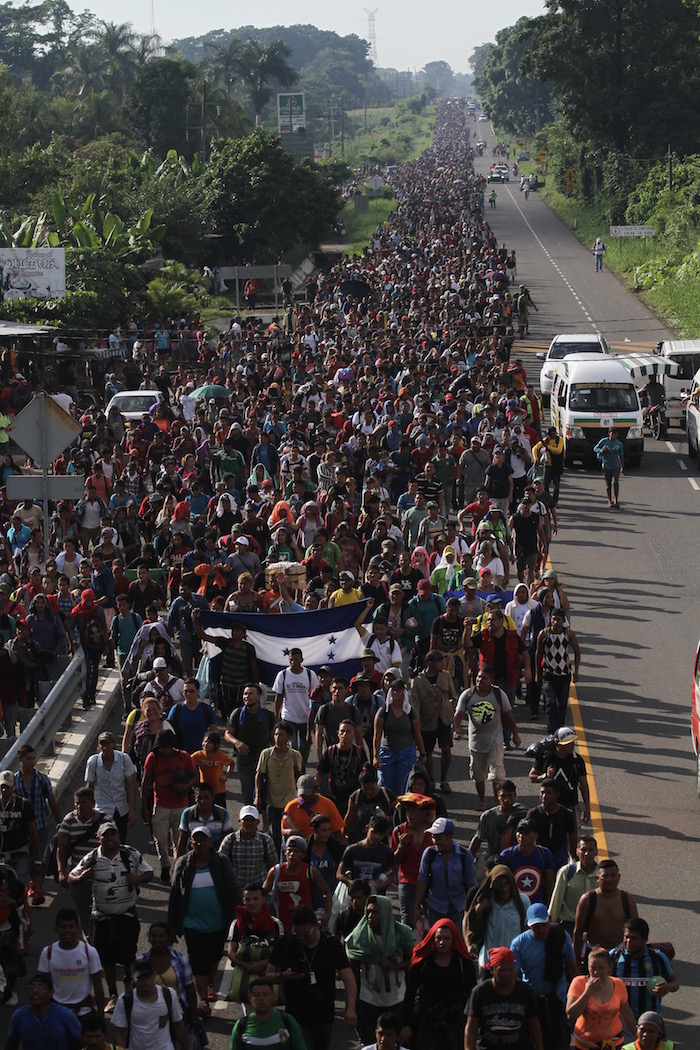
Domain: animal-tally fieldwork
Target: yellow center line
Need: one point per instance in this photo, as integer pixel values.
(584, 752)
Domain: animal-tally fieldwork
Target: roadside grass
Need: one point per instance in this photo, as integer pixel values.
(360, 226)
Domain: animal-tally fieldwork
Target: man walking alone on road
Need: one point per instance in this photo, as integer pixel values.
(611, 454)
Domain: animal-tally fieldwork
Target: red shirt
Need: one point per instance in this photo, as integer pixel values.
(162, 770)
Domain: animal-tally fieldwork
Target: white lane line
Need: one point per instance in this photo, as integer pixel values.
(694, 483)
(554, 264)
(670, 446)
(682, 465)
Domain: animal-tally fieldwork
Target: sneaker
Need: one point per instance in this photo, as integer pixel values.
(211, 993)
(12, 1001)
(165, 875)
(445, 787)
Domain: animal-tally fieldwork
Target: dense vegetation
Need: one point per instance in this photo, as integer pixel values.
(608, 88)
(128, 154)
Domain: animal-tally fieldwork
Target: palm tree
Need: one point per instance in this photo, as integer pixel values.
(120, 48)
(257, 64)
(84, 70)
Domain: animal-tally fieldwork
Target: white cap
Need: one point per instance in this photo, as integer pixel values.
(248, 811)
(159, 663)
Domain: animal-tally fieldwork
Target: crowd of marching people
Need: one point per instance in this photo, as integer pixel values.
(377, 466)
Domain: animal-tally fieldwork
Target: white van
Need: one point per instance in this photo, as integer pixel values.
(686, 354)
(590, 394)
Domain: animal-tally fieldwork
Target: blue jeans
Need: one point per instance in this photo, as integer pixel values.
(247, 778)
(395, 767)
(555, 693)
(300, 740)
(92, 663)
(407, 896)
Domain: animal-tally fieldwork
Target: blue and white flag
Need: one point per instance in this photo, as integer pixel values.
(325, 636)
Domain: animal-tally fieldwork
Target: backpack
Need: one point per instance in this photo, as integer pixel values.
(93, 634)
(141, 745)
(129, 1006)
(593, 900)
(284, 680)
(50, 858)
(433, 854)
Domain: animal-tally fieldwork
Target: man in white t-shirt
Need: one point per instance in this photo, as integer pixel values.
(487, 709)
(147, 1027)
(75, 967)
(293, 688)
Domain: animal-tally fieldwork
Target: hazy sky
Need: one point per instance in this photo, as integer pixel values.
(406, 38)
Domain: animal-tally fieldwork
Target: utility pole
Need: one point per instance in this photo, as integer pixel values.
(670, 168)
(342, 125)
(203, 124)
(330, 131)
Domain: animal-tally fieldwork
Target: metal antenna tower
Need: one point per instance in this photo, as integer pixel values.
(372, 33)
(153, 17)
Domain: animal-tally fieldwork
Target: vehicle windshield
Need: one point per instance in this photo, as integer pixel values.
(603, 397)
(688, 363)
(137, 402)
(562, 349)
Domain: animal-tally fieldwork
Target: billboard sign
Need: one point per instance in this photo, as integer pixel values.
(32, 273)
(291, 112)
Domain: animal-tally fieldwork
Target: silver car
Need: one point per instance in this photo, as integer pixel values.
(562, 346)
(133, 404)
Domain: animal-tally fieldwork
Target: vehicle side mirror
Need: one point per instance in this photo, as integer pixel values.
(541, 356)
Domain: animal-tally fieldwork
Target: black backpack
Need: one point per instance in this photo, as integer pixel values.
(129, 1006)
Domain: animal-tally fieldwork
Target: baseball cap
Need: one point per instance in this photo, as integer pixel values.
(142, 968)
(105, 738)
(432, 503)
(347, 574)
(565, 735)
(200, 829)
(7, 779)
(159, 663)
(442, 826)
(470, 583)
(297, 842)
(248, 811)
(536, 913)
(306, 785)
(105, 826)
(526, 825)
(550, 574)
(243, 540)
(42, 978)
(368, 654)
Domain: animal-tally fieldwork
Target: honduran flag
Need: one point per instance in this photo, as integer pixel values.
(325, 636)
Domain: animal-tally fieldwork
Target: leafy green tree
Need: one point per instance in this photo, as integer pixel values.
(440, 75)
(514, 100)
(621, 69)
(257, 65)
(262, 203)
(156, 105)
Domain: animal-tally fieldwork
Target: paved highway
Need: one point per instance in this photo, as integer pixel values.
(633, 580)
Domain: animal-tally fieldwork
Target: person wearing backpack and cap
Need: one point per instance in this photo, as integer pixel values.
(446, 873)
(140, 1019)
(114, 872)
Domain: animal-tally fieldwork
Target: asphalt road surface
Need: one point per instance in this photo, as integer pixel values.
(633, 580)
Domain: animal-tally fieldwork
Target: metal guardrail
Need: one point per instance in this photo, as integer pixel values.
(52, 714)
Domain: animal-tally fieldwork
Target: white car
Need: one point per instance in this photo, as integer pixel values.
(482, 116)
(563, 346)
(133, 404)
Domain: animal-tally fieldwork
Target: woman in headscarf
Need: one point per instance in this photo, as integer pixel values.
(224, 514)
(47, 629)
(143, 643)
(350, 549)
(496, 914)
(420, 561)
(381, 946)
(440, 978)
(94, 640)
(307, 524)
